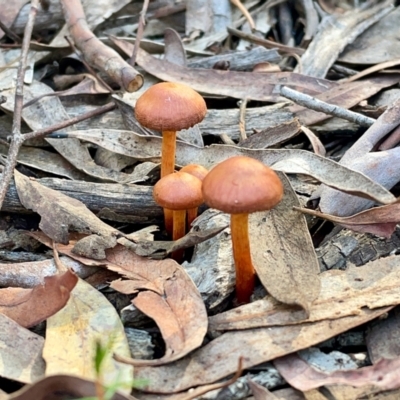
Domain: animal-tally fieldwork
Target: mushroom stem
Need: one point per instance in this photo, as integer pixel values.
(168, 153)
(167, 167)
(179, 229)
(245, 274)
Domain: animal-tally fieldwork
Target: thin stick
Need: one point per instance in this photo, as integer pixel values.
(245, 13)
(139, 35)
(10, 33)
(331, 109)
(269, 44)
(16, 145)
(242, 120)
(17, 137)
(61, 125)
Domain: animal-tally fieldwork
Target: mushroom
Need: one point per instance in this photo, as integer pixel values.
(239, 186)
(169, 107)
(199, 172)
(178, 192)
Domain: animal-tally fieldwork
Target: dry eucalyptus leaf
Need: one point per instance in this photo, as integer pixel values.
(288, 161)
(219, 358)
(28, 307)
(377, 44)
(380, 166)
(334, 33)
(22, 366)
(59, 213)
(167, 295)
(380, 221)
(384, 375)
(45, 161)
(71, 335)
(174, 51)
(61, 387)
(343, 293)
(237, 84)
(283, 253)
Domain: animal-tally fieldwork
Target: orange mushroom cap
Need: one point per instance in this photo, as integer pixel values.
(169, 106)
(242, 185)
(178, 191)
(196, 170)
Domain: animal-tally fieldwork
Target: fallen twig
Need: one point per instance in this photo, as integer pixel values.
(245, 13)
(331, 109)
(17, 137)
(139, 35)
(9, 32)
(97, 53)
(16, 144)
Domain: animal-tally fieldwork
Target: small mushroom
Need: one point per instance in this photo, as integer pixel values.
(169, 107)
(178, 192)
(239, 186)
(199, 172)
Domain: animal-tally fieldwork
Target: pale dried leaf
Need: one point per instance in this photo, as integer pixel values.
(283, 253)
(368, 48)
(71, 335)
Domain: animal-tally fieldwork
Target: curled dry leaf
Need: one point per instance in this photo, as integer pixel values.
(289, 161)
(380, 221)
(384, 375)
(59, 213)
(283, 253)
(71, 335)
(28, 307)
(170, 298)
(379, 166)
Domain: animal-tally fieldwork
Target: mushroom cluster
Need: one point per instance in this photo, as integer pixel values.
(237, 186)
(169, 107)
